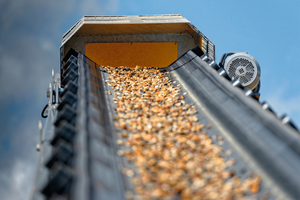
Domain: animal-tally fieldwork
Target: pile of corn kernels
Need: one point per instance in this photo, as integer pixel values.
(174, 155)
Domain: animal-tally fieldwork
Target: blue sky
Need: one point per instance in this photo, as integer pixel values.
(30, 35)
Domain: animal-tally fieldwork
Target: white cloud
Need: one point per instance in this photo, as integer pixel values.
(30, 37)
(21, 177)
(19, 163)
(19, 180)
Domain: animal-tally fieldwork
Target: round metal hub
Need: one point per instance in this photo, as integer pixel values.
(240, 71)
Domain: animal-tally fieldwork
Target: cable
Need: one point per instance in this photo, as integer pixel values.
(42, 114)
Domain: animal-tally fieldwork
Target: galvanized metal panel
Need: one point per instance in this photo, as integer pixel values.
(143, 28)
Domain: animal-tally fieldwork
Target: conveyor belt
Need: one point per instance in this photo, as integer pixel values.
(80, 153)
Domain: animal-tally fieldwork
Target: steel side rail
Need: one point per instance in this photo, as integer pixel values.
(271, 148)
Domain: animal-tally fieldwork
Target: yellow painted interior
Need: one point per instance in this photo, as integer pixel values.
(148, 54)
(201, 41)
